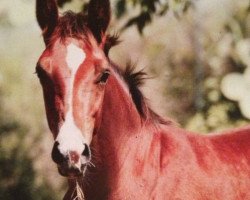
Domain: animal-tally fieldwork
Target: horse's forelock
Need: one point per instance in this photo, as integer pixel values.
(70, 25)
(75, 25)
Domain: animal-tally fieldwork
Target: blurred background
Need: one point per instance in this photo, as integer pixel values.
(198, 53)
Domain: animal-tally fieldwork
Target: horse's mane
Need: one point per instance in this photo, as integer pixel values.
(75, 25)
(134, 80)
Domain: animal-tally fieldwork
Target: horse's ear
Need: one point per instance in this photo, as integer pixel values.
(47, 16)
(99, 17)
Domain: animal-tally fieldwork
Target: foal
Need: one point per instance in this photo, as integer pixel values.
(92, 106)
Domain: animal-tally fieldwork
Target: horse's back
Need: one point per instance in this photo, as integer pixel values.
(233, 147)
(216, 166)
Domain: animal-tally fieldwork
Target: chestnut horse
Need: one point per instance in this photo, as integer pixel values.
(107, 140)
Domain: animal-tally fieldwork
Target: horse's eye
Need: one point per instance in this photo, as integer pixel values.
(104, 77)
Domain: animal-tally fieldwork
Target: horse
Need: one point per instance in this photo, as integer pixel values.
(107, 140)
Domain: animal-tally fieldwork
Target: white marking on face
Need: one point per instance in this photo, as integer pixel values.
(70, 137)
(75, 57)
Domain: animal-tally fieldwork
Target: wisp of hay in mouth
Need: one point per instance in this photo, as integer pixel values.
(79, 192)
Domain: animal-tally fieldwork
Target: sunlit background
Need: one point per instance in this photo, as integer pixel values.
(197, 53)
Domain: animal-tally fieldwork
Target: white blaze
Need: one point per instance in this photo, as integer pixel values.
(70, 137)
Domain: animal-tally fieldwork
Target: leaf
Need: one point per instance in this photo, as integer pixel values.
(187, 5)
(149, 5)
(141, 21)
(121, 8)
(163, 10)
(62, 2)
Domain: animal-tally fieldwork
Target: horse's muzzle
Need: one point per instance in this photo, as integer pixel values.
(72, 164)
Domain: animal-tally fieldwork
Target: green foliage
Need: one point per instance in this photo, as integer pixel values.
(195, 53)
(62, 2)
(147, 10)
(229, 54)
(17, 174)
(21, 126)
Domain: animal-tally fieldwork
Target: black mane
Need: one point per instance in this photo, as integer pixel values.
(134, 80)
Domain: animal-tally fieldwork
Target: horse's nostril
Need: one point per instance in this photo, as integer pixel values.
(74, 157)
(86, 151)
(56, 155)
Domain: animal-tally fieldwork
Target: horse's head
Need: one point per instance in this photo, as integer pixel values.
(73, 70)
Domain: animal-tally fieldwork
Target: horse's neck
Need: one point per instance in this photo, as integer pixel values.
(120, 118)
(119, 124)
